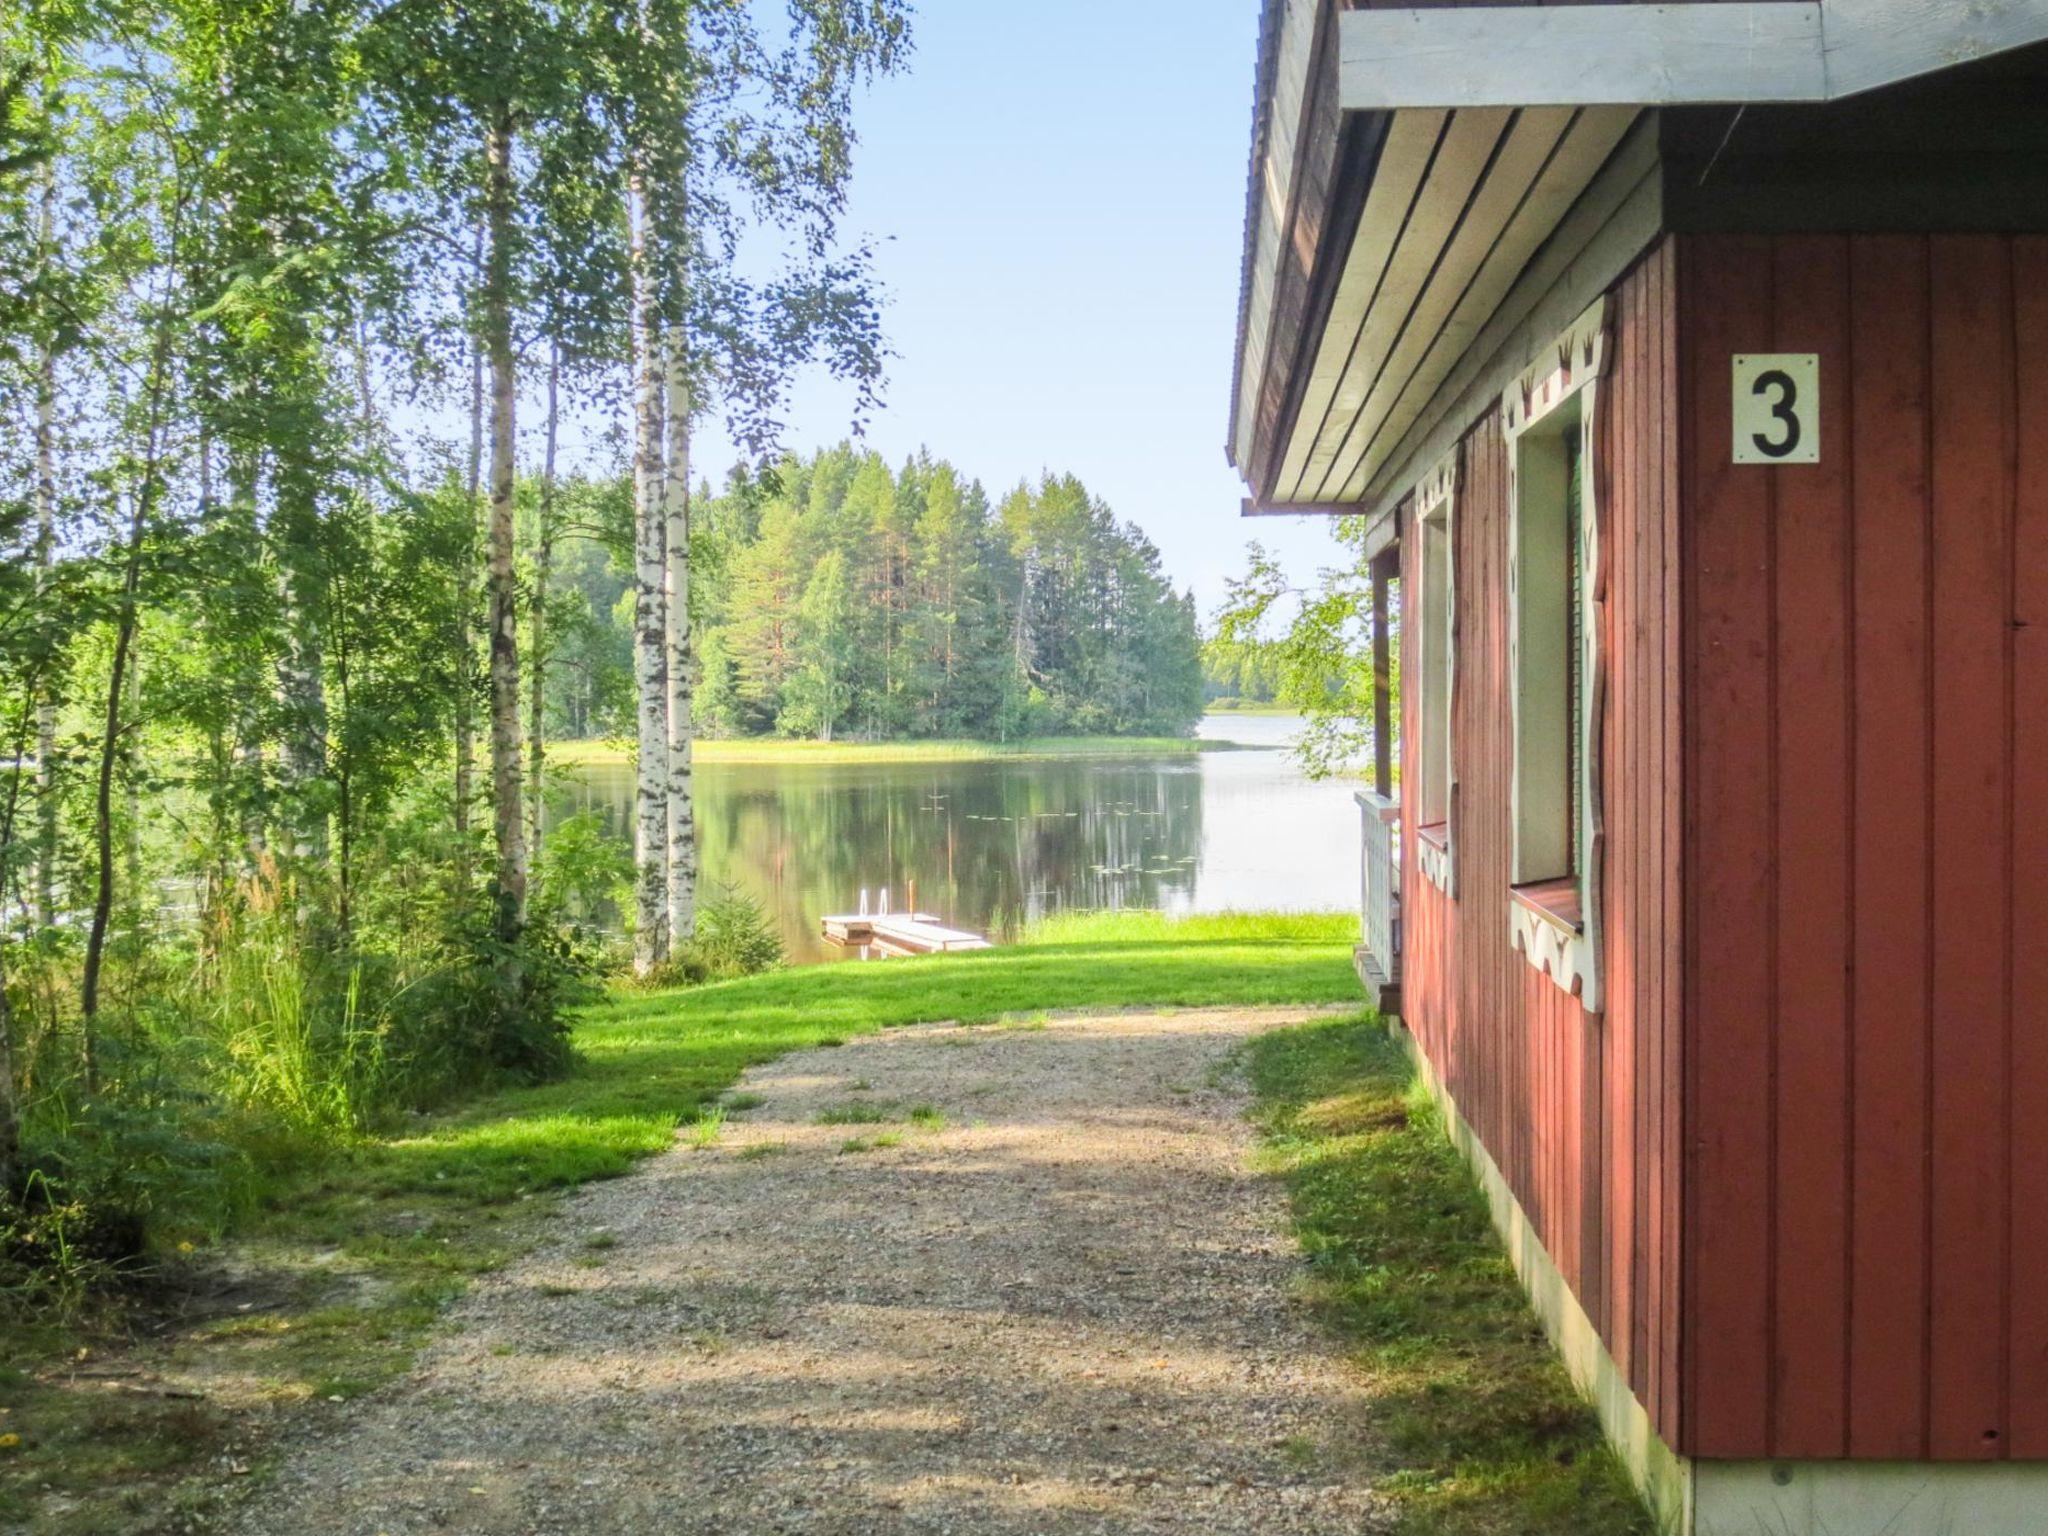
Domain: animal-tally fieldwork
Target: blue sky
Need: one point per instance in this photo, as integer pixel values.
(1057, 191)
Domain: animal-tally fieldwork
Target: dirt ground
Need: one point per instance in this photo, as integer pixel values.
(1000, 1279)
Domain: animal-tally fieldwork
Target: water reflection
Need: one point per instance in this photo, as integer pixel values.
(990, 844)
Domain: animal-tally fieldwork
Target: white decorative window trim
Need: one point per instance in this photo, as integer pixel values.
(1437, 866)
(1569, 368)
(1436, 500)
(1563, 953)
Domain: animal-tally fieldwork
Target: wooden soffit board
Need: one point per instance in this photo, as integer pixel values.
(1665, 55)
(1460, 202)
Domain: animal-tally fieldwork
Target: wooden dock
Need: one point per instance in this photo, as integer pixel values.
(907, 933)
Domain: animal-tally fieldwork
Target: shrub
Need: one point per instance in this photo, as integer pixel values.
(735, 937)
(261, 1042)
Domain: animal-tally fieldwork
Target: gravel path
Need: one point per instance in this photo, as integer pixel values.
(1065, 1309)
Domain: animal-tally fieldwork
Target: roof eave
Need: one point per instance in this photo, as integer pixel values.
(1582, 55)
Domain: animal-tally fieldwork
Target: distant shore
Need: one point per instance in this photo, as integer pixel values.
(763, 750)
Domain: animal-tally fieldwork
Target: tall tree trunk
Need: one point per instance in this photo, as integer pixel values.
(465, 593)
(141, 507)
(46, 556)
(302, 680)
(675, 500)
(10, 1110)
(506, 802)
(650, 660)
(10, 1113)
(537, 644)
(109, 758)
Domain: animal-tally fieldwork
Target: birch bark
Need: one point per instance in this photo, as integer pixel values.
(650, 660)
(675, 501)
(506, 802)
(537, 641)
(465, 712)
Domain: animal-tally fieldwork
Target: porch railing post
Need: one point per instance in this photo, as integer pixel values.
(1382, 684)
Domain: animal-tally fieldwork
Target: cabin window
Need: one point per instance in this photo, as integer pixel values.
(1436, 656)
(1554, 639)
(1550, 626)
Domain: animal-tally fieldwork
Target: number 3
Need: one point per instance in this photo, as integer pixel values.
(1783, 410)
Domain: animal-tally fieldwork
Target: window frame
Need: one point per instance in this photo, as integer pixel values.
(1555, 919)
(1436, 840)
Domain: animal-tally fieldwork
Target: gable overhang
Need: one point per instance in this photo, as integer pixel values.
(1421, 179)
(1460, 203)
(1696, 54)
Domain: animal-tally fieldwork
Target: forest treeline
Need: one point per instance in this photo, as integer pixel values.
(295, 303)
(838, 598)
(1241, 674)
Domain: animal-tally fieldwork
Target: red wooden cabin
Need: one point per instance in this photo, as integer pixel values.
(1690, 363)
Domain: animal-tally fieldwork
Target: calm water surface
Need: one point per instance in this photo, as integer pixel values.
(994, 843)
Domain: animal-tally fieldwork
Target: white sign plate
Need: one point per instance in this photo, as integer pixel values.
(1777, 408)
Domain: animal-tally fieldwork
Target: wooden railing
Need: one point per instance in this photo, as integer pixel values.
(1379, 950)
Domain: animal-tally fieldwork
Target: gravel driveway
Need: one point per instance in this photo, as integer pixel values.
(1061, 1307)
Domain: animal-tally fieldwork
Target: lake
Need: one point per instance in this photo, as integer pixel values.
(990, 844)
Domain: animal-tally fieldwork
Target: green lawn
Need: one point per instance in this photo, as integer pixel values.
(653, 1060)
(1488, 1436)
(770, 750)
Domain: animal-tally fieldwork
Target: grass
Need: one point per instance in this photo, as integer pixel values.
(771, 750)
(1487, 1434)
(330, 1288)
(349, 1264)
(853, 1114)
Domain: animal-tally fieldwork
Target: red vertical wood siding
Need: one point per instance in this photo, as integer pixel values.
(1579, 1112)
(1866, 1250)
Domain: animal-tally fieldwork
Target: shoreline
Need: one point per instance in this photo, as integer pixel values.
(775, 750)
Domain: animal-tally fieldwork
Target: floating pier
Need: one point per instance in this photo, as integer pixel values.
(913, 933)
(903, 933)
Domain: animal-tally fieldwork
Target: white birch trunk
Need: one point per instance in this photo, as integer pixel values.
(650, 660)
(537, 643)
(465, 597)
(675, 500)
(507, 808)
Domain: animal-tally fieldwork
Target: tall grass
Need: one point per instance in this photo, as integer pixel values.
(287, 1043)
(255, 1047)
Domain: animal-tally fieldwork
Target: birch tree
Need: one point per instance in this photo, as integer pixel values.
(507, 803)
(650, 614)
(729, 129)
(537, 645)
(679, 659)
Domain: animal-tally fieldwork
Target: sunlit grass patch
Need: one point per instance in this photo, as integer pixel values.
(853, 1114)
(1488, 1435)
(1083, 927)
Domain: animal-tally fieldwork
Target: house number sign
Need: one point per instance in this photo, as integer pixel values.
(1777, 408)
